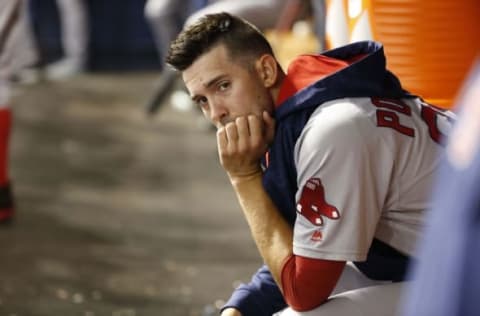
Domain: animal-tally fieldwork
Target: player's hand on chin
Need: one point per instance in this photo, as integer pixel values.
(231, 312)
(242, 143)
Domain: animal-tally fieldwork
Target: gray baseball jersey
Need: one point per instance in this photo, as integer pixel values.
(365, 168)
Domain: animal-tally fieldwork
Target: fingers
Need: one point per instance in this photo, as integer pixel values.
(231, 137)
(242, 144)
(222, 141)
(243, 132)
(256, 130)
(246, 132)
(232, 132)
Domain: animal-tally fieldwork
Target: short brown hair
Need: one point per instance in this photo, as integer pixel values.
(241, 39)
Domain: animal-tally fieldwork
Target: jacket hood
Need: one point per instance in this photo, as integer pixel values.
(366, 77)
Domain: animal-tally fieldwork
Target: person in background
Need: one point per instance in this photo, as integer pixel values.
(166, 19)
(319, 18)
(447, 274)
(332, 163)
(16, 52)
(74, 38)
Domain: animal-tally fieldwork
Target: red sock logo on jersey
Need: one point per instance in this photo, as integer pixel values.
(312, 204)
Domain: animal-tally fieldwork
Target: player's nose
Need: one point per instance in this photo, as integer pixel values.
(218, 112)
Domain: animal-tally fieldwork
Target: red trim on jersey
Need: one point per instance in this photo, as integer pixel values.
(307, 282)
(307, 69)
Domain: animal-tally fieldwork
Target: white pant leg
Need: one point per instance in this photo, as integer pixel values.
(19, 50)
(356, 295)
(379, 300)
(74, 22)
(261, 13)
(352, 279)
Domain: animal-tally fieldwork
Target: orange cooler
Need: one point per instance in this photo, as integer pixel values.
(430, 44)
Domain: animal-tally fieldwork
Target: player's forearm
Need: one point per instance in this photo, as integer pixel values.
(271, 233)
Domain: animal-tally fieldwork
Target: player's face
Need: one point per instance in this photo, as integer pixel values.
(225, 89)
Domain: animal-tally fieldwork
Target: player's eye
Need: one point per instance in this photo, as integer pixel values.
(202, 102)
(223, 86)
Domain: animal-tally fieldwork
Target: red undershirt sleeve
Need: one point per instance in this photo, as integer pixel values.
(307, 282)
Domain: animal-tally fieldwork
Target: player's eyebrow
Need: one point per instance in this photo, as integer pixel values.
(214, 80)
(210, 83)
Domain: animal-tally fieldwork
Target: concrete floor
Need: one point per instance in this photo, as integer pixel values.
(117, 214)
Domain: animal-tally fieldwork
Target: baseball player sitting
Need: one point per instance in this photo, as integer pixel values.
(332, 163)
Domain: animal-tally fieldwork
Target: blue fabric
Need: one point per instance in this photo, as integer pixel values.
(119, 36)
(260, 297)
(384, 263)
(198, 4)
(447, 277)
(367, 77)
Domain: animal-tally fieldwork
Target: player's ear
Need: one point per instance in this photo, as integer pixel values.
(267, 68)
